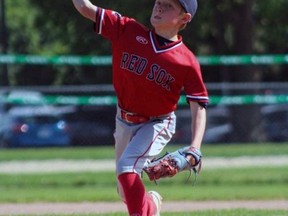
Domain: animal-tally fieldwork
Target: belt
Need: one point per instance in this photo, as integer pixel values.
(133, 117)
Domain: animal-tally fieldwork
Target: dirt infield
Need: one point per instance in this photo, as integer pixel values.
(88, 208)
(59, 165)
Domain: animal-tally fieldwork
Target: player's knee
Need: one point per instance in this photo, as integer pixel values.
(123, 166)
(129, 166)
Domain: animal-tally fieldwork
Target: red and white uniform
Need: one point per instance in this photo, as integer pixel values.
(142, 84)
(148, 77)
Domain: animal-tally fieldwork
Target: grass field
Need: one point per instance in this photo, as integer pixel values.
(253, 183)
(223, 184)
(229, 150)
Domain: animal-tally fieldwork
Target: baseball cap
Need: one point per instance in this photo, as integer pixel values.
(190, 6)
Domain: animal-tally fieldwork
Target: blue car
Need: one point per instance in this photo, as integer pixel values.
(33, 127)
(275, 119)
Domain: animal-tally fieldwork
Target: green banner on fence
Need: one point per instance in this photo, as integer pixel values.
(55, 60)
(107, 60)
(112, 100)
(243, 60)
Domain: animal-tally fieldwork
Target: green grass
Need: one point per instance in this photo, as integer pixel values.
(55, 153)
(229, 150)
(254, 183)
(222, 184)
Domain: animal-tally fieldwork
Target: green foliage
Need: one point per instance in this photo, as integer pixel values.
(220, 27)
(271, 18)
(23, 34)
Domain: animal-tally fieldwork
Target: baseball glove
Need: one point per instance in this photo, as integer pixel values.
(172, 163)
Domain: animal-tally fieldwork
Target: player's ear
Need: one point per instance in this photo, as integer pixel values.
(187, 17)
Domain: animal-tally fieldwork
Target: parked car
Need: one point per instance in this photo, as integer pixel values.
(33, 127)
(218, 127)
(90, 125)
(275, 119)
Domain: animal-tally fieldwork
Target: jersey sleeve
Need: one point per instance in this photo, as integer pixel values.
(194, 86)
(110, 24)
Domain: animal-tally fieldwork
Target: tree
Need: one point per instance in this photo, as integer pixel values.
(3, 43)
(236, 33)
(220, 27)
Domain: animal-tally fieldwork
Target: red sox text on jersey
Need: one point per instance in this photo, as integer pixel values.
(137, 65)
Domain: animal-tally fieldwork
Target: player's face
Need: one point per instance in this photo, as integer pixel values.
(167, 14)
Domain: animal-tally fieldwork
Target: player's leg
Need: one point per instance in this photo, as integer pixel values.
(122, 135)
(147, 142)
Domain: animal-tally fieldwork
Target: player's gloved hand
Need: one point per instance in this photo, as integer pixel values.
(193, 155)
(187, 158)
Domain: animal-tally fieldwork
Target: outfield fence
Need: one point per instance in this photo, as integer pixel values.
(258, 112)
(107, 60)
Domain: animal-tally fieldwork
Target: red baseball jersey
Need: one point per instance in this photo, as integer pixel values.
(148, 78)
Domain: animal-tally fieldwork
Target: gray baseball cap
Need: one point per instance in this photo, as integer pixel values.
(190, 6)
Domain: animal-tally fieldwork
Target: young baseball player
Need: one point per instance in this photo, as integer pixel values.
(151, 67)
